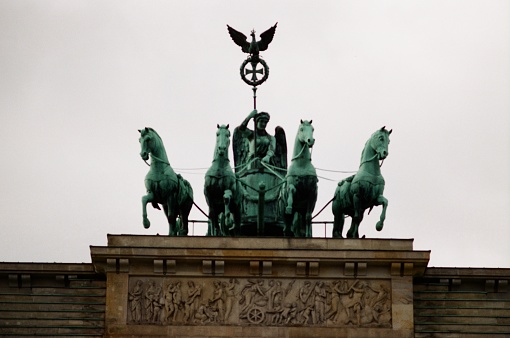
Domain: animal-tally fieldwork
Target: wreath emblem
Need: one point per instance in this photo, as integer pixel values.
(249, 66)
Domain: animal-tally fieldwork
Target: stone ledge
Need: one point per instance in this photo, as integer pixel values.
(259, 243)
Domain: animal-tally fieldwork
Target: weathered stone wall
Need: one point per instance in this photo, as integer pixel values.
(51, 299)
(258, 287)
(159, 286)
(462, 302)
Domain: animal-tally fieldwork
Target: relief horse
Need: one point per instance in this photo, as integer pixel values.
(221, 189)
(363, 190)
(164, 186)
(298, 194)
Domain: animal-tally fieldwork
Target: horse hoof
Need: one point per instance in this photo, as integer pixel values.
(379, 226)
(337, 235)
(146, 223)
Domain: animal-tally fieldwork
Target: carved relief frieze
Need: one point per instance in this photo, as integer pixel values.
(259, 301)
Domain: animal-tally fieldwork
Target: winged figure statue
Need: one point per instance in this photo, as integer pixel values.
(254, 47)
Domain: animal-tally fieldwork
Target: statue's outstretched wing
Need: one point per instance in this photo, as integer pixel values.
(240, 147)
(266, 38)
(280, 154)
(240, 39)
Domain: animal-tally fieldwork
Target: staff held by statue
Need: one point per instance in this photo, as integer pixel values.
(253, 48)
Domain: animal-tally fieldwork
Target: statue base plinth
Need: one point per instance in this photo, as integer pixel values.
(258, 287)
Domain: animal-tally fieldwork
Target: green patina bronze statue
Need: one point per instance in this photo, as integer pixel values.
(253, 48)
(298, 195)
(363, 190)
(222, 191)
(251, 148)
(164, 186)
(262, 197)
(260, 163)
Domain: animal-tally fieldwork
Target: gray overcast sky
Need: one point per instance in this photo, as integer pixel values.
(78, 78)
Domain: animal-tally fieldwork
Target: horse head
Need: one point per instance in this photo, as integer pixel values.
(222, 140)
(146, 143)
(305, 133)
(380, 141)
(151, 143)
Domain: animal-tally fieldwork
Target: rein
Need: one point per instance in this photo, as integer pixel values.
(302, 149)
(156, 158)
(370, 159)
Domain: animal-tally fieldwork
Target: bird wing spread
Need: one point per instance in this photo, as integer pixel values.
(266, 38)
(239, 39)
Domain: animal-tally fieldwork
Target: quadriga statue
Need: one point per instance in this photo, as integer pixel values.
(363, 190)
(164, 186)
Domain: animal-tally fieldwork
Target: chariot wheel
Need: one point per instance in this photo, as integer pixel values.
(256, 316)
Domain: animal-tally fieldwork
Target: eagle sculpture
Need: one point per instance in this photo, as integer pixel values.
(253, 47)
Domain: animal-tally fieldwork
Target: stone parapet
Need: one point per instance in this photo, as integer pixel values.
(258, 287)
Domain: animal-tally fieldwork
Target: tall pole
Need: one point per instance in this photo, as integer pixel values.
(253, 48)
(254, 88)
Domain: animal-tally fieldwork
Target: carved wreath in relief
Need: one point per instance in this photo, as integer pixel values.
(265, 302)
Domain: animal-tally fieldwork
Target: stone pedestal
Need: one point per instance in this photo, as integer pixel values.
(258, 287)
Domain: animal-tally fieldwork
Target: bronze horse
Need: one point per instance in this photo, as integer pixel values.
(298, 194)
(221, 189)
(363, 190)
(164, 186)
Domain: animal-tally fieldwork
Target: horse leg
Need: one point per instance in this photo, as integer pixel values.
(296, 225)
(381, 200)
(338, 224)
(229, 223)
(353, 231)
(146, 199)
(308, 224)
(291, 190)
(185, 209)
(170, 211)
(221, 224)
(338, 215)
(183, 228)
(357, 216)
(310, 207)
(213, 223)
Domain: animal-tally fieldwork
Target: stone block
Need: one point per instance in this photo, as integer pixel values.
(301, 268)
(349, 269)
(314, 268)
(207, 268)
(267, 268)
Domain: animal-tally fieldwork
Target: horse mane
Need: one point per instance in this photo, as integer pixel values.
(154, 131)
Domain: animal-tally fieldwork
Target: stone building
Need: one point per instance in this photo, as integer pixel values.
(158, 286)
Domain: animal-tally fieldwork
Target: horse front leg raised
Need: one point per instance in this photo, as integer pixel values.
(146, 199)
(381, 200)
